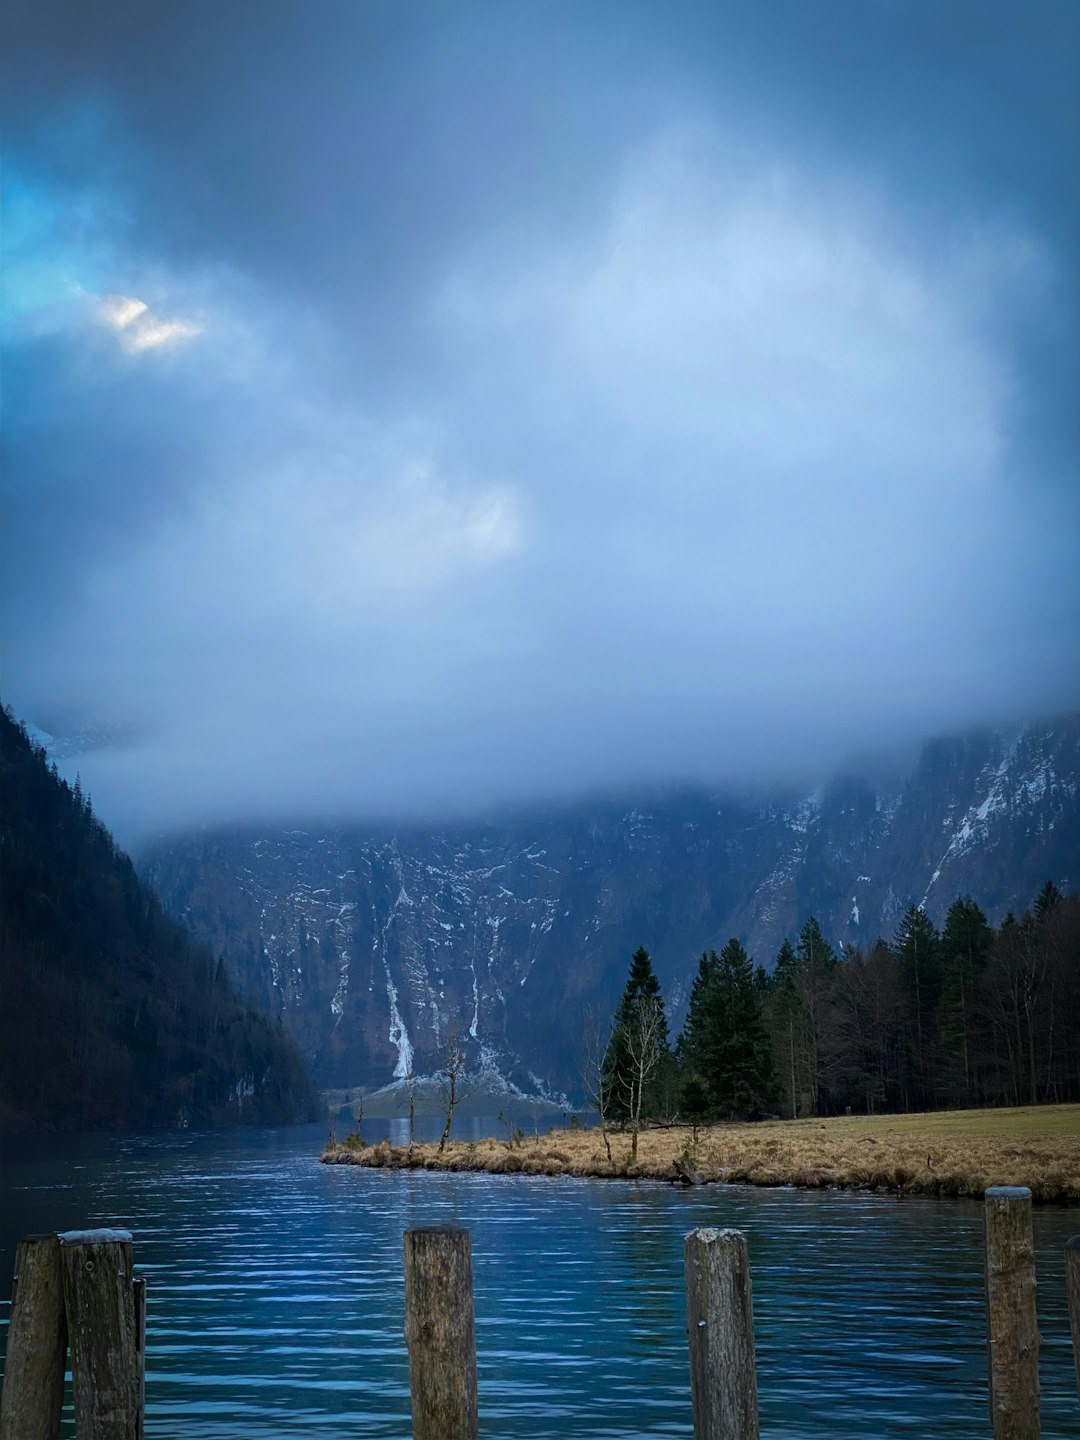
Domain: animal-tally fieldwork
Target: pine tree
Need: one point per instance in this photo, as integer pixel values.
(965, 945)
(636, 1065)
(813, 950)
(917, 947)
(786, 1013)
(743, 1083)
(724, 1038)
(1048, 901)
(697, 1040)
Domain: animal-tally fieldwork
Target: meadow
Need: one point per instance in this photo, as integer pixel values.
(958, 1152)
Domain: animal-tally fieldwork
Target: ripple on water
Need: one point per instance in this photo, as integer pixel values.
(276, 1295)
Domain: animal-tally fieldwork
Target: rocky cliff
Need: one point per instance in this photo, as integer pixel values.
(375, 944)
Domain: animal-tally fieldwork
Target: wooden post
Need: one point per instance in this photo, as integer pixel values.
(1072, 1284)
(100, 1301)
(441, 1334)
(139, 1296)
(1012, 1331)
(720, 1330)
(37, 1344)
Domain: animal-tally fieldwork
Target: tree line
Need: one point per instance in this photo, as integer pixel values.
(963, 1016)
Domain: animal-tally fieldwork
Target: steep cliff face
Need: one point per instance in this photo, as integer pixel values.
(374, 946)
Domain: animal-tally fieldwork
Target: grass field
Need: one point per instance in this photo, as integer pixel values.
(956, 1152)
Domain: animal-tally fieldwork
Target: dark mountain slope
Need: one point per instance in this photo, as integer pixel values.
(110, 1015)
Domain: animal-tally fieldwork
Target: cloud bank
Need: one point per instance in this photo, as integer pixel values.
(428, 414)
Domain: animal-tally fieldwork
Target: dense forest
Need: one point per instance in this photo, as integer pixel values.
(930, 1019)
(111, 1016)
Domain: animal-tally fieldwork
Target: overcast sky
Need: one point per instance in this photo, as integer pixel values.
(425, 405)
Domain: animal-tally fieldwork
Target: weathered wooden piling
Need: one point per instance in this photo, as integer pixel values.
(37, 1344)
(720, 1331)
(1012, 1331)
(139, 1293)
(440, 1331)
(1072, 1285)
(99, 1298)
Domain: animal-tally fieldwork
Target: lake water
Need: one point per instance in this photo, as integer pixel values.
(275, 1300)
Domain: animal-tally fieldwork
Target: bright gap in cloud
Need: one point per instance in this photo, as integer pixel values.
(138, 328)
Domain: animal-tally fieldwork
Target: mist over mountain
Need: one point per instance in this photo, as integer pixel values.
(374, 943)
(431, 407)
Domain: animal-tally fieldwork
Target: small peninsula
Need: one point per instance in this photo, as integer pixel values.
(958, 1153)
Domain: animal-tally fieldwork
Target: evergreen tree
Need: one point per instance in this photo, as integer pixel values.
(785, 1017)
(742, 1082)
(965, 945)
(813, 950)
(697, 1040)
(725, 1039)
(636, 1069)
(917, 947)
(1048, 901)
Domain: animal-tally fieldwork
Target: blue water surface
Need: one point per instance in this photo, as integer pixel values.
(276, 1295)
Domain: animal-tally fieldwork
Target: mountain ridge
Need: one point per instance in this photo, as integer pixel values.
(374, 943)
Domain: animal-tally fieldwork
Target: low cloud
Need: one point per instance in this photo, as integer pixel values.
(693, 450)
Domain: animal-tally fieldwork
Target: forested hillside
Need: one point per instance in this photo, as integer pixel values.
(111, 1016)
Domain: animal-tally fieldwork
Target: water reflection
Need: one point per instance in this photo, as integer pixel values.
(276, 1294)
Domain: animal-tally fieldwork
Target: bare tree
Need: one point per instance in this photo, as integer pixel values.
(358, 1113)
(593, 1078)
(453, 1087)
(644, 1041)
(410, 1090)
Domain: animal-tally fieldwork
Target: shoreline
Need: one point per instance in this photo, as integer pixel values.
(959, 1153)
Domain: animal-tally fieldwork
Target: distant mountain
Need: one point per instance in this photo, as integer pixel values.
(111, 1016)
(373, 944)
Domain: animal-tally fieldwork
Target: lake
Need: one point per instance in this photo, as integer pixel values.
(275, 1301)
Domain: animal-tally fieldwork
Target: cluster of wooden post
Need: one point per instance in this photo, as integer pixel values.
(440, 1331)
(77, 1291)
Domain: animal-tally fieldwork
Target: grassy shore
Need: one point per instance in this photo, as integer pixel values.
(943, 1153)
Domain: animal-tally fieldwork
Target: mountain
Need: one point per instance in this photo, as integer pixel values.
(375, 944)
(112, 1017)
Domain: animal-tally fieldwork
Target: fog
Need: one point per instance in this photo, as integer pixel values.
(417, 408)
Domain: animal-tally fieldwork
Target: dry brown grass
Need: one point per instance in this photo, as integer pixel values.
(948, 1153)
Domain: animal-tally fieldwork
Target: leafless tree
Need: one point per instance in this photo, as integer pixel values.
(643, 1039)
(454, 1090)
(867, 1009)
(410, 1090)
(593, 1079)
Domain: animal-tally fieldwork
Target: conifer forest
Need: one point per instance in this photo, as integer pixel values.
(930, 1019)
